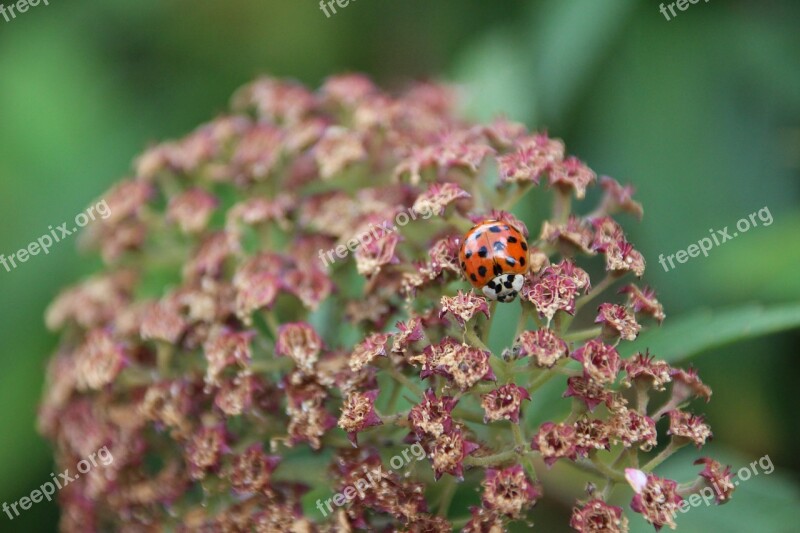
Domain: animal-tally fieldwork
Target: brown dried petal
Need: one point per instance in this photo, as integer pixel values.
(192, 210)
(99, 360)
(301, 343)
(436, 199)
(543, 345)
(618, 321)
(504, 403)
(596, 516)
(688, 426)
(464, 306)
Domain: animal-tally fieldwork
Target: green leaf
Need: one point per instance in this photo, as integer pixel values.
(569, 39)
(491, 69)
(698, 332)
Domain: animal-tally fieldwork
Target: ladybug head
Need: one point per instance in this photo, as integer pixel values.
(503, 288)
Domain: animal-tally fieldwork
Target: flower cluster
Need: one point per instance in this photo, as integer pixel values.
(229, 371)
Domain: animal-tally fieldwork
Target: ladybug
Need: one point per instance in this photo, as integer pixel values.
(494, 258)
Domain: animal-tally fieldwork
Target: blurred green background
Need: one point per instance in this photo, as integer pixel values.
(701, 114)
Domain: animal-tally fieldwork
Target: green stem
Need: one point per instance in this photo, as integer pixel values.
(519, 440)
(491, 460)
(546, 376)
(622, 455)
(512, 200)
(402, 378)
(596, 291)
(397, 419)
(687, 489)
(578, 408)
(397, 387)
(272, 323)
(603, 469)
(537, 320)
(608, 489)
(583, 335)
(475, 341)
(488, 325)
(642, 397)
(163, 357)
(562, 205)
(522, 321)
(447, 495)
(671, 448)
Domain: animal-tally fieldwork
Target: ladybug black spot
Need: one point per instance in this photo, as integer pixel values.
(499, 246)
(483, 252)
(481, 271)
(512, 239)
(472, 277)
(497, 269)
(524, 246)
(495, 229)
(521, 261)
(508, 283)
(463, 265)
(491, 285)
(510, 261)
(468, 254)
(476, 235)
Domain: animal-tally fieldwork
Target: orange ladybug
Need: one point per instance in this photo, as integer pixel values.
(494, 258)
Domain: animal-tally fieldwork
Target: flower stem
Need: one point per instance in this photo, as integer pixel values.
(642, 397)
(687, 489)
(272, 323)
(163, 357)
(511, 201)
(519, 440)
(671, 448)
(397, 419)
(596, 291)
(491, 460)
(473, 338)
(396, 388)
(546, 376)
(583, 335)
(562, 205)
(522, 321)
(447, 495)
(402, 378)
(598, 467)
(487, 327)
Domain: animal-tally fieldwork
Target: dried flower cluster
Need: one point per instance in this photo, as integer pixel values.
(230, 372)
